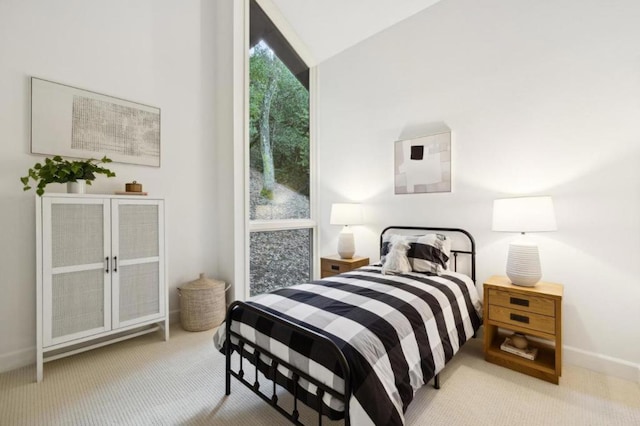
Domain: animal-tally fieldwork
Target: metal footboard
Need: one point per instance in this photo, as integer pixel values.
(272, 399)
(468, 249)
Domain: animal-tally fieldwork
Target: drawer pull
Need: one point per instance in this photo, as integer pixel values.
(335, 267)
(519, 318)
(517, 301)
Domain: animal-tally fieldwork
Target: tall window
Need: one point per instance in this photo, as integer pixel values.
(281, 226)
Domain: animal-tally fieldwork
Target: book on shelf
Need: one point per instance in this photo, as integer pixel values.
(528, 353)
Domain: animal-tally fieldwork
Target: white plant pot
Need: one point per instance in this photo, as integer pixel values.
(78, 187)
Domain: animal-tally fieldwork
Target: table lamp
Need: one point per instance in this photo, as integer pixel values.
(346, 214)
(524, 214)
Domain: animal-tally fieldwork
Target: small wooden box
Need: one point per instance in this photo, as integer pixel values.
(133, 187)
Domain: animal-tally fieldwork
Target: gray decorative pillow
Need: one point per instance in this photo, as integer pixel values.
(430, 253)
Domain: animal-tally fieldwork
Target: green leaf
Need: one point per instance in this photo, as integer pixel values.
(59, 170)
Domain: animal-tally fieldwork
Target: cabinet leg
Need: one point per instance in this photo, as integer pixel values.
(39, 365)
(166, 330)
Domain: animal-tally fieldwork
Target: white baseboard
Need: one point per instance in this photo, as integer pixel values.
(24, 357)
(174, 317)
(17, 359)
(602, 363)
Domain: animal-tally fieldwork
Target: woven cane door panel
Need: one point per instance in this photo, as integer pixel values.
(77, 234)
(77, 302)
(139, 231)
(139, 290)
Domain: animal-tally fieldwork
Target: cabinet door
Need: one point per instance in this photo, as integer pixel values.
(76, 281)
(138, 281)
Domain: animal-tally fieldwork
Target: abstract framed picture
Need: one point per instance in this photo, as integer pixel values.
(73, 122)
(423, 165)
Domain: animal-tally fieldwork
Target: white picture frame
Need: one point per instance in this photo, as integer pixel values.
(423, 164)
(77, 123)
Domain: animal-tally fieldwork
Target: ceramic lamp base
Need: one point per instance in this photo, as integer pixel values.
(346, 244)
(523, 263)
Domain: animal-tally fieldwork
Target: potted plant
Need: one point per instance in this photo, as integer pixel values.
(59, 170)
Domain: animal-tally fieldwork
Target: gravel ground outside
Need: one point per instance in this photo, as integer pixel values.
(278, 258)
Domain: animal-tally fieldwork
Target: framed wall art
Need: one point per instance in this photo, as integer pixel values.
(73, 122)
(423, 165)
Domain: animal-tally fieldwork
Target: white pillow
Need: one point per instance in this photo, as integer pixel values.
(395, 260)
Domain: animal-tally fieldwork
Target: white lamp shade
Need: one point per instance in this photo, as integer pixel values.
(346, 214)
(524, 214)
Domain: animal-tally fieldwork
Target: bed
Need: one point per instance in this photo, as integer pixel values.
(356, 346)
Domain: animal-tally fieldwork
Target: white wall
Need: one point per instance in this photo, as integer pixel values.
(158, 52)
(542, 98)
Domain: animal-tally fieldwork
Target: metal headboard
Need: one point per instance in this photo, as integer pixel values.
(455, 252)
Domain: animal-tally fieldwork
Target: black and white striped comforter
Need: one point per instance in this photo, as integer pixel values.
(396, 331)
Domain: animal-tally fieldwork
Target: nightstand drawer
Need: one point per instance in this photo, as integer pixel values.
(522, 302)
(543, 323)
(333, 265)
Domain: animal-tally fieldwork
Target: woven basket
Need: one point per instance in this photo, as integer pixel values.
(202, 304)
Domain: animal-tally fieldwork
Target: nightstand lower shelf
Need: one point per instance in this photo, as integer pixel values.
(543, 367)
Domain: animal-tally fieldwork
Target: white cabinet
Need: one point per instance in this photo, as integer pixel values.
(101, 272)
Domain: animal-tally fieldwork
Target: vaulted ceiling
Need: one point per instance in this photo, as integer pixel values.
(328, 27)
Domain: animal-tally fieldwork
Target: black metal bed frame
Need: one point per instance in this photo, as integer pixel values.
(455, 252)
(275, 362)
(316, 338)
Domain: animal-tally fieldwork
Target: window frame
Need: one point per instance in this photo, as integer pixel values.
(280, 224)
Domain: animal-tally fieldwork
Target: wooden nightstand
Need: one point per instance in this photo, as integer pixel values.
(533, 311)
(333, 265)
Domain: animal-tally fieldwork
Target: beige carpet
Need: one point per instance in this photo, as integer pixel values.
(145, 381)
